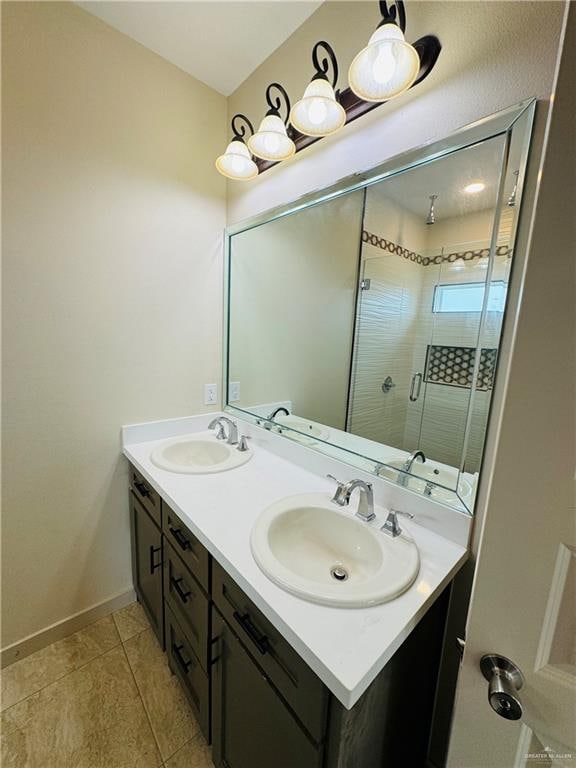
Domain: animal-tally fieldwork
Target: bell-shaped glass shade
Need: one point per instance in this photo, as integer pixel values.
(236, 162)
(271, 142)
(318, 113)
(386, 67)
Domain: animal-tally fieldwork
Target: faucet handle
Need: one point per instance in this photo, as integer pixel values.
(339, 494)
(243, 443)
(391, 526)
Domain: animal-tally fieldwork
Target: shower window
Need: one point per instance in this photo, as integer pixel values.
(468, 297)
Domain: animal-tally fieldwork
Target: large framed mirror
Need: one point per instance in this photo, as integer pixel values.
(365, 321)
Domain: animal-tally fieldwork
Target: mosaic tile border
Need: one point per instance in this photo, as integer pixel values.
(425, 261)
(454, 366)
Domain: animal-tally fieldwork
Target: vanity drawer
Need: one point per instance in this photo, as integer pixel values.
(302, 690)
(194, 680)
(194, 554)
(146, 495)
(187, 602)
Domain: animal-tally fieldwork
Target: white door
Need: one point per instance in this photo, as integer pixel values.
(523, 603)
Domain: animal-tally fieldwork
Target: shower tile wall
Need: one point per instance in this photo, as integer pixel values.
(385, 339)
(440, 431)
(386, 325)
(397, 324)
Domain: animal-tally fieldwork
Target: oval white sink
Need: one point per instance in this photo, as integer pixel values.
(422, 473)
(198, 454)
(310, 429)
(307, 546)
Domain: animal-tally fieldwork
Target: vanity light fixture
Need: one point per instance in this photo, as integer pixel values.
(318, 113)
(388, 65)
(236, 162)
(475, 187)
(384, 69)
(271, 141)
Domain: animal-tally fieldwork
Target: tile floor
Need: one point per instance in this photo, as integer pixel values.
(101, 698)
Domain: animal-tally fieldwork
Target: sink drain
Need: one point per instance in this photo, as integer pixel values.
(339, 573)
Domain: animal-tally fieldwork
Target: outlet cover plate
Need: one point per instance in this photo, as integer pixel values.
(210, 394)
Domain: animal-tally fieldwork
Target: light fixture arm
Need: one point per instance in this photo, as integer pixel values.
(396, 14)
(240, 125)
(275, 103)
(322, 67)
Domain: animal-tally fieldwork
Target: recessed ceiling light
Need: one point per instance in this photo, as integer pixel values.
(474, 188)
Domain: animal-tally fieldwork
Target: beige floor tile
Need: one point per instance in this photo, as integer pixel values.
(130, 621)
(47, 665)
(195, 754)
(170, 716)
(92, 718)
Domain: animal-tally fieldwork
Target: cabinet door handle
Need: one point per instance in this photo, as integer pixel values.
(142, 489)
(180, 538)
(182, 663)
(153, 551)
(213, 642)
(178, 589)
(260, 641)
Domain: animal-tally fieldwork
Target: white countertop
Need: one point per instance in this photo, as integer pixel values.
(346, 647)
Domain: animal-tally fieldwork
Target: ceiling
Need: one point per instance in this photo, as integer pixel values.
(219, 43)
(447, 178)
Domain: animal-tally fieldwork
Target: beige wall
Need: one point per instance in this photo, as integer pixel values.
(112, 220)
(300, 272)
(489, 61)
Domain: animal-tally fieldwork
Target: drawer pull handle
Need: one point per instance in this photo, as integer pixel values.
(154, 565)
(182, 663)
(142, 489)
(178, 589)
(180, 538)
(260, 641)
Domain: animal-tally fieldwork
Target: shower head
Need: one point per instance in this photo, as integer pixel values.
(431, 215)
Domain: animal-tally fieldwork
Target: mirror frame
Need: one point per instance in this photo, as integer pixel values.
(502, 123)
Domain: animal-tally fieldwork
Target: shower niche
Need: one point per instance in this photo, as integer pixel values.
(368, 319)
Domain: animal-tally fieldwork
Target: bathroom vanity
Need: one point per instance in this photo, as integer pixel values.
(274, 679)
(300, 607)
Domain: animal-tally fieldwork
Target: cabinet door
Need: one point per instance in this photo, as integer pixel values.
(147, 565)
(251, 724)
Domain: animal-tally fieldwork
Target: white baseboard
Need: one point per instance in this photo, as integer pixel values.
(63, 628)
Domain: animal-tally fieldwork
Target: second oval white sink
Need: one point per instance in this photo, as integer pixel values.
(422, 473)
(198, 454)
(307, 546)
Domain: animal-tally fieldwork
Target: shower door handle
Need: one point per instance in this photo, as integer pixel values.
(416, 378)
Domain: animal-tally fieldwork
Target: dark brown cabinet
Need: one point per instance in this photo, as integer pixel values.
(252, 727)
(254, 697)
(297, 685)
(147, 565)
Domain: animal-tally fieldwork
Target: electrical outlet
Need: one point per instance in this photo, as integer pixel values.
(233, 391)
(210, 394)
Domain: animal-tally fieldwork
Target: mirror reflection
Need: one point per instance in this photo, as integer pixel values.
(372, 321)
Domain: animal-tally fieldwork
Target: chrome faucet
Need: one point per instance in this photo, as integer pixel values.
(407, 466)
(344, 491)
(221, 422)
(281, 409)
